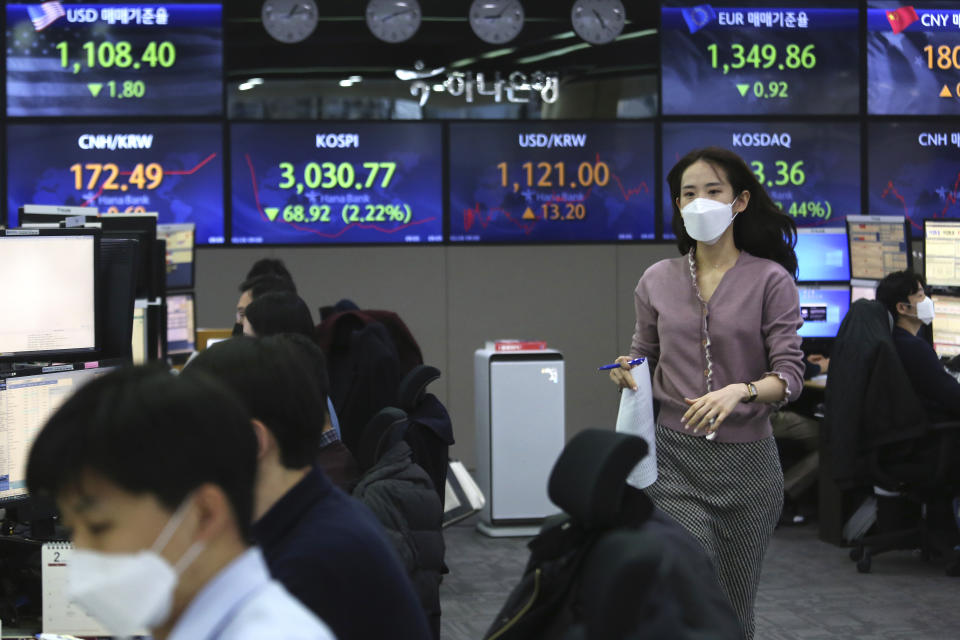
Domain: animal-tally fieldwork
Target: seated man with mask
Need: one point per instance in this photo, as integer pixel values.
(155, 474)
(902, 293)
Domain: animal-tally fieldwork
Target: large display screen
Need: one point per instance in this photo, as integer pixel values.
(913, 58)
(104, 59)
(336, 183)
(775, 58)
(914, 170)
(811, 170)
(551, 182)
(175, 170)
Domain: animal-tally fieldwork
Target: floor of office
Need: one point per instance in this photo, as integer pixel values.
(809, 589)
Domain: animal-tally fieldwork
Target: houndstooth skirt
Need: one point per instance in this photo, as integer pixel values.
(729, 496)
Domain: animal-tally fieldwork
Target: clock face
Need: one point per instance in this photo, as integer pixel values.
(289, 20)
(598, 21)
(496, 21)
(393, 20)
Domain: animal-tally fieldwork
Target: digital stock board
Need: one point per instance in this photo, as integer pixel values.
(776, 58)
(811, 170)
(173, 169)
(330, 183)
(98, 59)
(913, 58)
(914, 170)
(551, 182)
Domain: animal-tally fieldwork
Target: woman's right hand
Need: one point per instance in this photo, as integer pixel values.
(621, 376)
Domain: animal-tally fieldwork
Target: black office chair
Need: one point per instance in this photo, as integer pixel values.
(881, 438)
(612, 567)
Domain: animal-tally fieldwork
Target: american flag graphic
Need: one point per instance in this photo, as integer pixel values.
(45, 15)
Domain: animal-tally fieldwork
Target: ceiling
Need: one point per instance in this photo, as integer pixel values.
(342, 45)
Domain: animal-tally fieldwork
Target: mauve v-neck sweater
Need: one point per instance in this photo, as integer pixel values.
(747, 330)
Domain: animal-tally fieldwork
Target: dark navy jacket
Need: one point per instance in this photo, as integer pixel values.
(331, 553)
(938, 390)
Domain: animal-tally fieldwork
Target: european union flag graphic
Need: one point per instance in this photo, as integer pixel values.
(698, 17)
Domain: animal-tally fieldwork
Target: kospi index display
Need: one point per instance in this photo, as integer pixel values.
(913, 58)
(810, 170)
(778, 58)
(328, 183)
(175, 170)
(551, 182)
(102, 59)
(914, 170)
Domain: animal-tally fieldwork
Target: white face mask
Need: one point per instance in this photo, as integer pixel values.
(129, 593)
(925, 312)
(705, 220)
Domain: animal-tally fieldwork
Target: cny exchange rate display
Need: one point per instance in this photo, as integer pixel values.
(332, 183)
(777, 58)
(175, 170)
(810, 170)
(127, 59)
(551, 182)
(913, 58)
(915, 170)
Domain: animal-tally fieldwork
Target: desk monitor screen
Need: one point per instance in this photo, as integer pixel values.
(946, 325)
(823, 308)
(533, 182)
(140, 340)
(863, 290)
(941, 250)
(48, 301)
(822, 254)
(173, 168)
(879, 245)
(26, 403)
(180, 252)
(181, 325)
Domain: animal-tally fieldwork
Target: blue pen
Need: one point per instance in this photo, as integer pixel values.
(615, 365)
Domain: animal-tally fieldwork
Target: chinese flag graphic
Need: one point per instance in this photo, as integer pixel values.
(902, 18)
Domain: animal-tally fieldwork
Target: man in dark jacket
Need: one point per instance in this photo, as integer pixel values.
(325, 547)
(402, 497)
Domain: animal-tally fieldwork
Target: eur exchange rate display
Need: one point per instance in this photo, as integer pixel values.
(778, 58)
(97, 59)
(551, 182)
(810, 170)
(328, 183)
(175, 170)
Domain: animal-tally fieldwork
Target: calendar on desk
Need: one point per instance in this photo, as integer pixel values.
(60, 615)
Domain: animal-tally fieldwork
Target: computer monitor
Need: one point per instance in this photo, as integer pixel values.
(823, 307)
(180, 253)
(143, 228)
(31, 215)
(49, 298)
(941, 250)
(946, 325)
(879, 245)
(181, 324)
(823, 254)
(27, 400)
(863, 289)
(119, 258)
(139, 341)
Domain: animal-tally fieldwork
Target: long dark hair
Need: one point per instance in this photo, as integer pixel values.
(762, 229)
